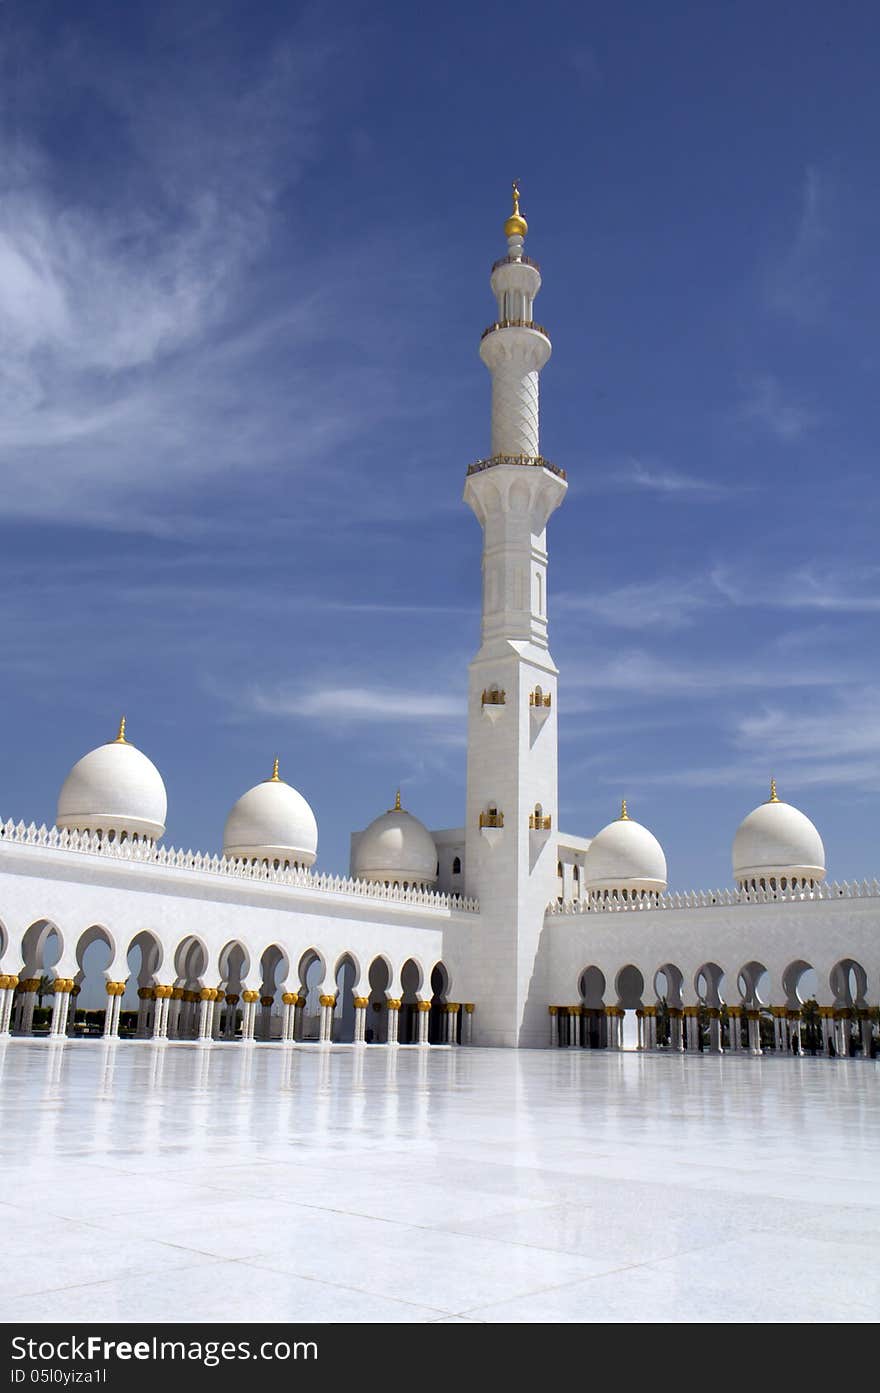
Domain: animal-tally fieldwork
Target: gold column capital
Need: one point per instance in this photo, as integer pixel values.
(361, 1003)
(250, 997)
(423, 1005)
(393, 1003)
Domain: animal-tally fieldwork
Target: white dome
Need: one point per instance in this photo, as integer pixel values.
(271, 822)
(114, 788)
(777, 841)
(624, 856)
(396, 847)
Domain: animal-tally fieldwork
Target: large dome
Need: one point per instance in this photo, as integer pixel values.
(114, 788)
(396, 848)
(777, 842)
(271, 822)
(624, 856)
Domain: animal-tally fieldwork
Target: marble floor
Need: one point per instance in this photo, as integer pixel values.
(179, 1183)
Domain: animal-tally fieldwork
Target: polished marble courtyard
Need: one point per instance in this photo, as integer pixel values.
(180, 1183)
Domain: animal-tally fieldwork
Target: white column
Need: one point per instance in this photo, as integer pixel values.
(205, 1014)
(675, 1031)
(733, 1022)
(288, 1016)
(467, 1025)
(754, 1030)
(554, 1026)
(867, 1035)
(7, 1000)
(249, 1001)
(827, 1015)
(424, 1012)
(60, 1007)
(392, 1005)
(452, 1010)
(842, 1033)
(715, 1046)
(160, 1016)
(115, 991)
(360, 1019)
(328, 1006)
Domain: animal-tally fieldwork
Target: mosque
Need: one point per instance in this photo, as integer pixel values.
(502, 932)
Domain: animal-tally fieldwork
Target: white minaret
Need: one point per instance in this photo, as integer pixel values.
(511, 827)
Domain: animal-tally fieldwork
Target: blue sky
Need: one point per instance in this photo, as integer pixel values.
(244, 257)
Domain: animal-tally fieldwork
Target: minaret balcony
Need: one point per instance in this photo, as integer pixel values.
(493, 703)
(492, 826)
(521, 260)
(539, 705)
(514, 324)
(536, 462)
(540, 823)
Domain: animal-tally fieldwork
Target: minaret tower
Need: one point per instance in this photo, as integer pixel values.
(512, 827)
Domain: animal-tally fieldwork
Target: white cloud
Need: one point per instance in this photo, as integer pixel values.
(651, 476)
(375, 705)
(765, 405)
(796, 284)
(662, 604)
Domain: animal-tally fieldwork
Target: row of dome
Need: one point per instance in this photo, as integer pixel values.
(117, 791)
(776, 844)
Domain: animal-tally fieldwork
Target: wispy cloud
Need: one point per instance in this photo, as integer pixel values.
(644, 676)
(154, 343)
(854, 591)
(765, 405)
(796, 284)
(662, 604)
(372, 705)
(653, 477)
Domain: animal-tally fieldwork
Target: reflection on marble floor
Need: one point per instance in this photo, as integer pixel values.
(418, 1185)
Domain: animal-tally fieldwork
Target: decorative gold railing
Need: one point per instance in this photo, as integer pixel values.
(493, 697)
(513, 260)
(492, 819)
(540, 699)
(540, 824)
(536, 461)
(514, 324)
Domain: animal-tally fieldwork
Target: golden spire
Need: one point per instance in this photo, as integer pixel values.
(516, 225)
(397, 808)
(276, 777)
(773, 795)
(120, 739)
(624, 815)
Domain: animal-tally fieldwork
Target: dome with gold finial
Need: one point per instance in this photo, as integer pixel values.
(114, 791)
(396, 849)
(777, 845)
(624, 858)
(516, 225)
(271, 823)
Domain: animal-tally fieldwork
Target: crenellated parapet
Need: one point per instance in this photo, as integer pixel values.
(705, 899)
(145, 853)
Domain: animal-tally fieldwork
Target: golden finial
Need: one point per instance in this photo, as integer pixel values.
(276, 777)
(120, 739)
(516, 225)
(624, 815)
(773, 795)
(397, 807)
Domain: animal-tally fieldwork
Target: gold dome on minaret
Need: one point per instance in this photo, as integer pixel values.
(516, 225)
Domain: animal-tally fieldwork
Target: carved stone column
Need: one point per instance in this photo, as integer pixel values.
(392, 1006)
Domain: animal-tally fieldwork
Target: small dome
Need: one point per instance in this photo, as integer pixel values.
(624, 856)
(114, 788)
(396, 848)
(516, 225)
(271, 822)
(775, 842)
